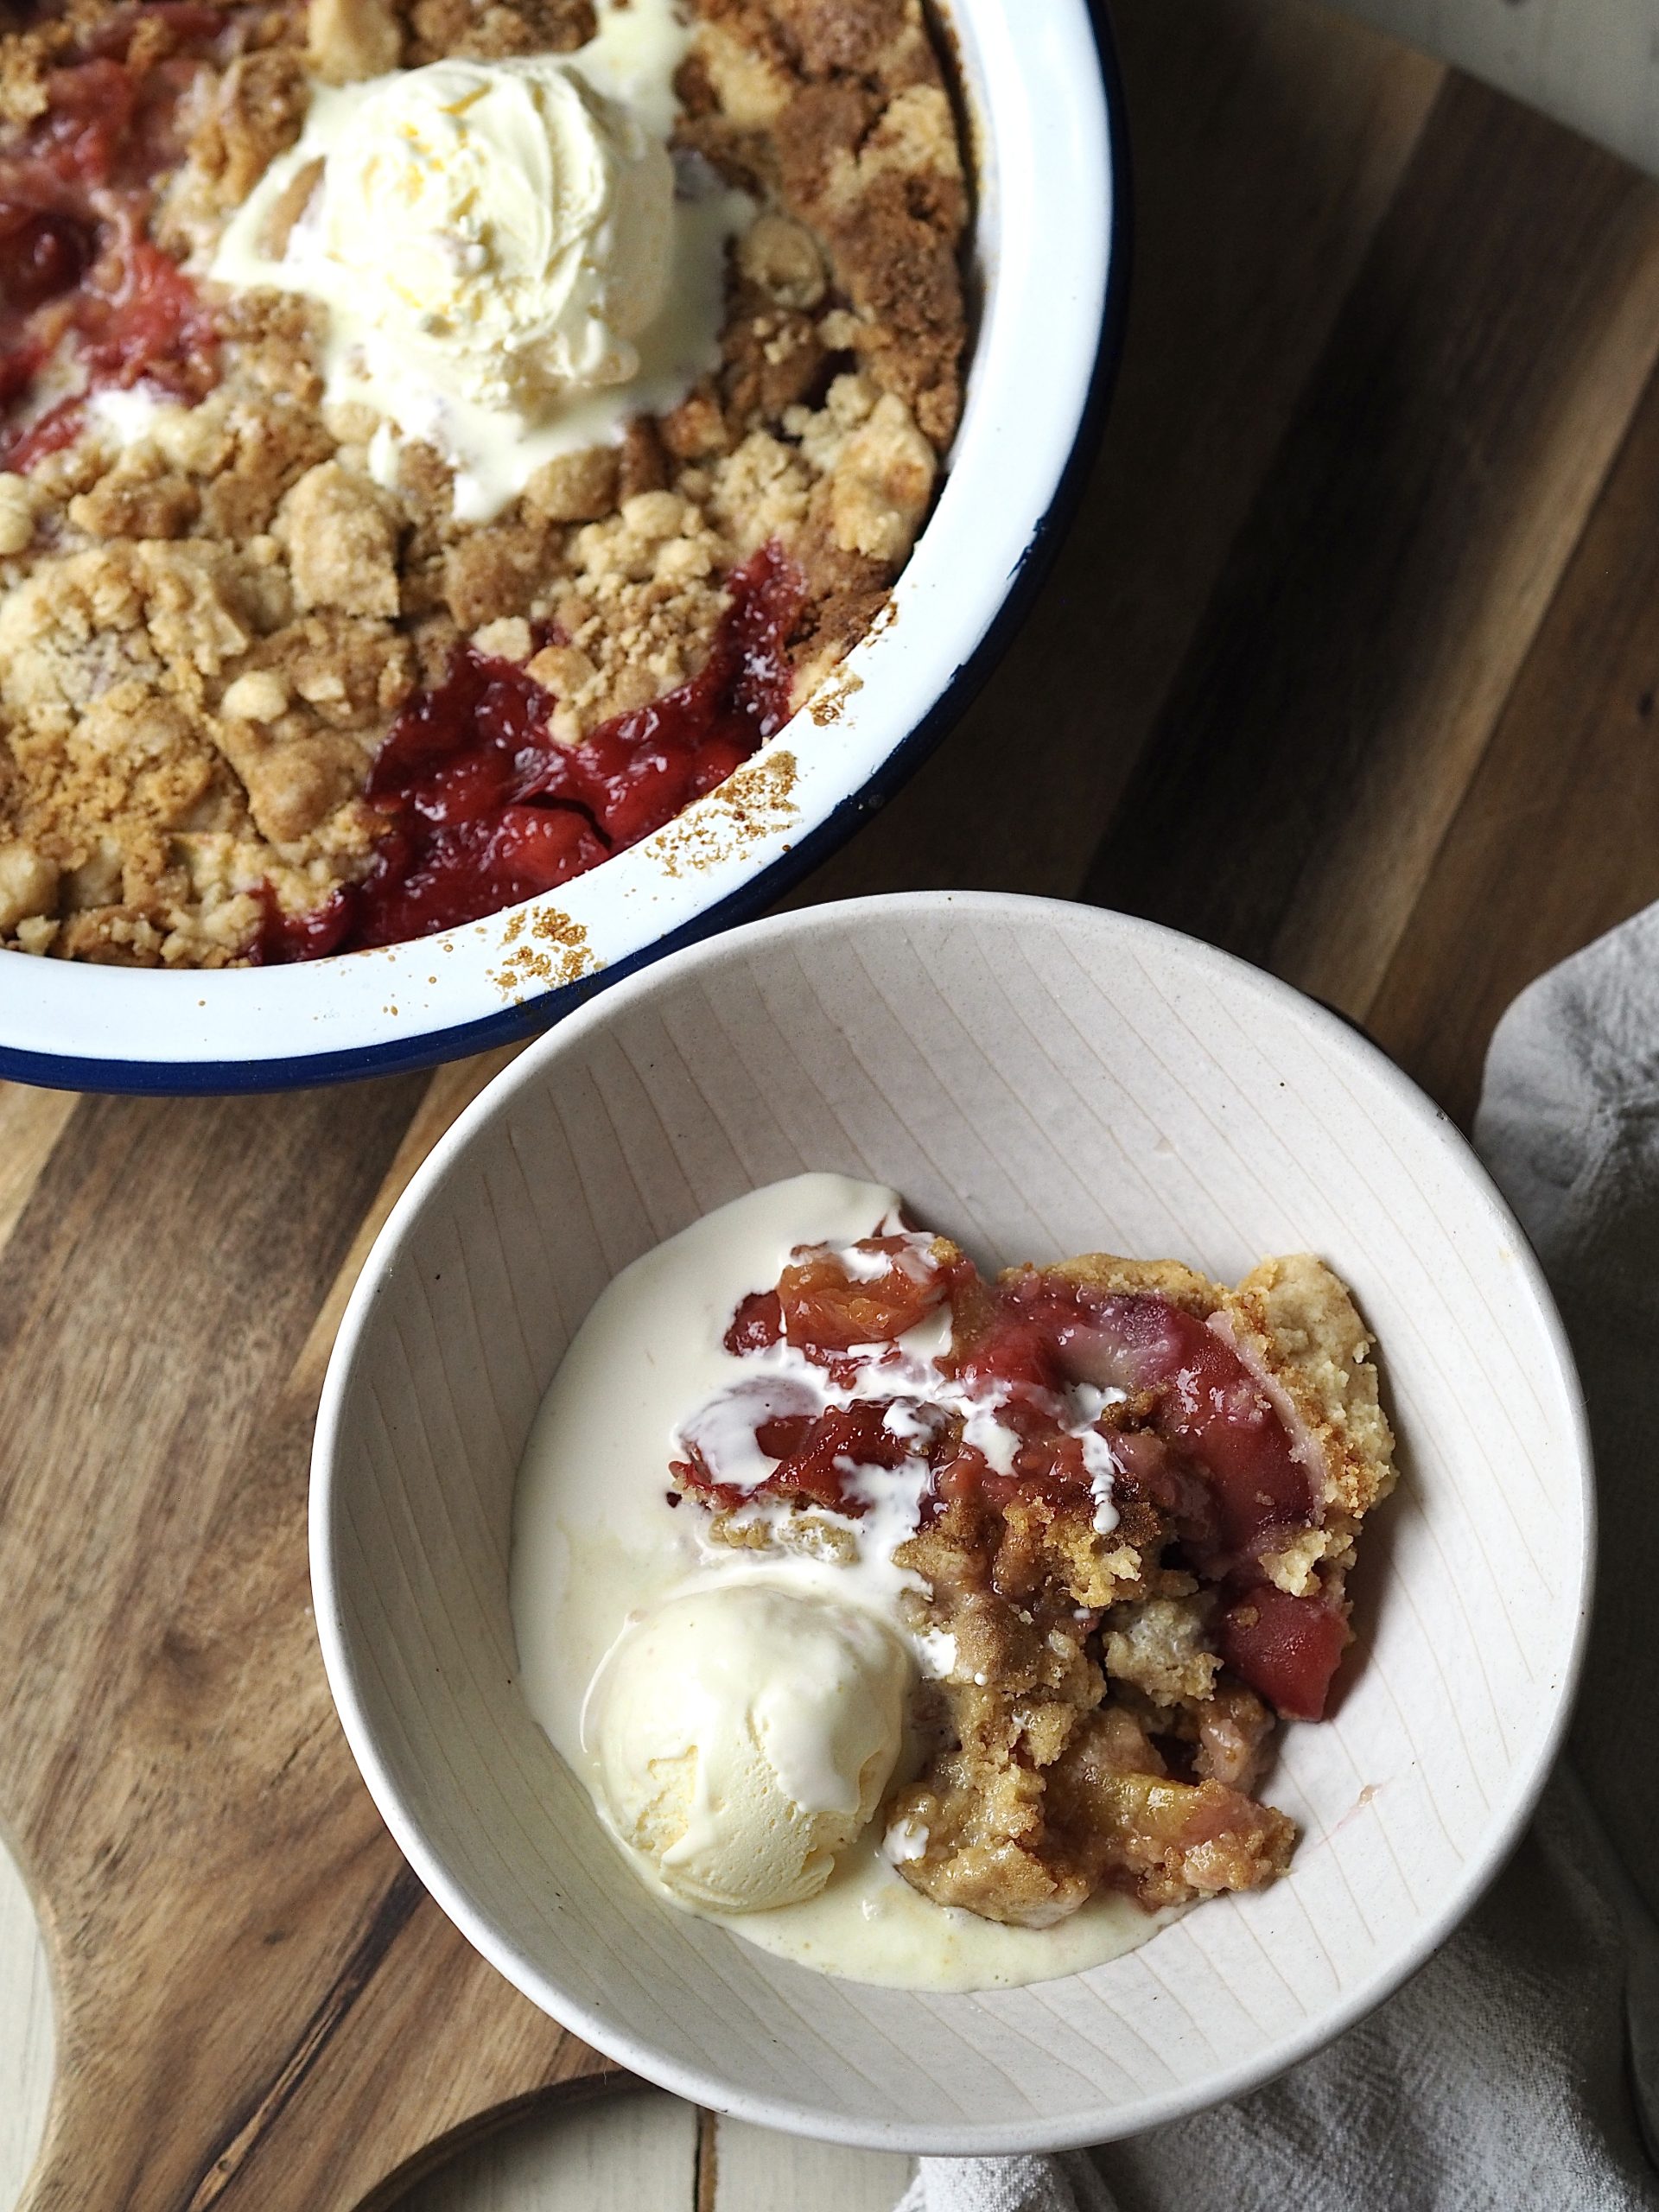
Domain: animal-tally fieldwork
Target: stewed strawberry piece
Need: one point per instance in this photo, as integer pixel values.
(1209, 1407)
(828, 1309)
(1286, 1648)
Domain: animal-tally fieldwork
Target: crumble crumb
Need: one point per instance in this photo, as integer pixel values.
(349, 40)
(342, 537)
(1161, 1648)
(28, 883)
(19, 502)
(575, 487)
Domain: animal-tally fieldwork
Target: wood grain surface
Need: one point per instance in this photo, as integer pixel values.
(1350, 664)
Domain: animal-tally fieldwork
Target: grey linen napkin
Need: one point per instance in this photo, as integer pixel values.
(1521, 2066)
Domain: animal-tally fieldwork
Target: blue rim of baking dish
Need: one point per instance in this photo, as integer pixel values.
(516, 1024)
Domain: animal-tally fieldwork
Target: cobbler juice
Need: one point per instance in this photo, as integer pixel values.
(485, 808)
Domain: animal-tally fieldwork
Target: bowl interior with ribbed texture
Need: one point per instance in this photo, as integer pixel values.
(1038, 1080)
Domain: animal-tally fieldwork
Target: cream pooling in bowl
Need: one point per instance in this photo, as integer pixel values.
(598, 1548)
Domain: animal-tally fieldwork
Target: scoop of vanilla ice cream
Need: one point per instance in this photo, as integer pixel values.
(745, 1737)
(510, 265)
(504, 221)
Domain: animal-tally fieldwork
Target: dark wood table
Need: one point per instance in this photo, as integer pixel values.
(1349, 664)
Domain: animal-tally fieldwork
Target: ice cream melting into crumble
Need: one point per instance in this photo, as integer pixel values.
(917, 1389)
(659, 1656)
(511, 264)
(916, 1621)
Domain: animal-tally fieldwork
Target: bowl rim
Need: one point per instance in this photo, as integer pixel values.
(706, 2087)
(402, 1053)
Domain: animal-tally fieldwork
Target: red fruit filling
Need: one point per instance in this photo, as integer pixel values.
(826, 1308)
(1209, 1410)
(483, 807)
(1200, 1439)
(758, 1322)
(80, 282)
(1286, 1648)
(824, 1459)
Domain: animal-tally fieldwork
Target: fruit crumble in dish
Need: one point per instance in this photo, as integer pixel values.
(439, 439)
(1048, 1557)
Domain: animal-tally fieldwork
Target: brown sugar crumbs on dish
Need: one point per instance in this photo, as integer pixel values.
(829, 704)
(557, 952)
(207, 632)
(753, 801)
(1140, 1495)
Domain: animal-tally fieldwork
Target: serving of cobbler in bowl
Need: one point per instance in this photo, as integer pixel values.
(953, 1523)
(964, 1667)
(466, 473)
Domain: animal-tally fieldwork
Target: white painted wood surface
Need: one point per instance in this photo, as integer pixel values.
(757, 2171)
(1595, 65)
(25, 2030)
(635, 2148)
(641, 2151)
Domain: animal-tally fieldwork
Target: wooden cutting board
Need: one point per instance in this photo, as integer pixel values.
(1349, 664)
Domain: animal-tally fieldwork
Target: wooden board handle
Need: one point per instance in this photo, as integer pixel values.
(257, 2003)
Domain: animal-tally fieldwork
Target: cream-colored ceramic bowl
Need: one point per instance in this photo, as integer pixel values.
(1038, 1080)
